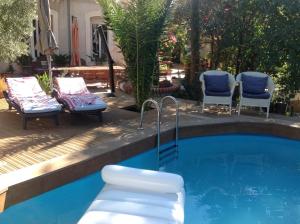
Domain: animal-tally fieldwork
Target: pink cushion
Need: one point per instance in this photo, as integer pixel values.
(79, 100)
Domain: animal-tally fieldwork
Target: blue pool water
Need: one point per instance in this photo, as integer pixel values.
(229, 179)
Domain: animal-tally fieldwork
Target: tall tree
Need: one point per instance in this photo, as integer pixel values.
(195, 39)
(15, 27)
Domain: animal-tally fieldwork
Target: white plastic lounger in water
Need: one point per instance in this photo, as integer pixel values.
(136, 196)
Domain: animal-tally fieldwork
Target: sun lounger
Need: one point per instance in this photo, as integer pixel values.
(74, 95)
(26, 96)
(137, 196)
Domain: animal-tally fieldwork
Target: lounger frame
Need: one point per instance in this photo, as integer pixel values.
(97, 112)
(28, 116)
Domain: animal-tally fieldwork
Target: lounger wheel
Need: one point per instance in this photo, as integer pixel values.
(56, 120)
(24, 123)
(100, 117)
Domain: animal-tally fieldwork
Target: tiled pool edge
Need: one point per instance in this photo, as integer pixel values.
(29, 182)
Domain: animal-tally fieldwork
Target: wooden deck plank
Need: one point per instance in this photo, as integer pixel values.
(43, 140)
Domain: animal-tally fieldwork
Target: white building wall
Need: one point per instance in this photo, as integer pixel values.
(83, 10)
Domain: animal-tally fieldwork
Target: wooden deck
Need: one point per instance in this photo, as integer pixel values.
(43, 140)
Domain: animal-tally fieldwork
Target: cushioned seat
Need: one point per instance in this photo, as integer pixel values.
(74, 95)
(213, 93)
(26, 95)
(83, 102)
(256, 90)
(255, 85)
(265, 95)
(217, 88)
(38, 104)
(217, 83)
(137, 196)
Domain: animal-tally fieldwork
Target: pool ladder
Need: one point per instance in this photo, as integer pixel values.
(171, 152)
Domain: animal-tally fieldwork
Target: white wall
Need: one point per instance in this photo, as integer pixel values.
(62, 13)
(83, 10)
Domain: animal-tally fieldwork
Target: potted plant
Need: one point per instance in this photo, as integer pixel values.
(280, 100)
(61, 60)
(44, 82)
(285, 89)
(25, 63)
(3, 86)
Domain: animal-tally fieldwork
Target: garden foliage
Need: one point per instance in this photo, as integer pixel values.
(138, 25)
(262, 35)
(15, 27)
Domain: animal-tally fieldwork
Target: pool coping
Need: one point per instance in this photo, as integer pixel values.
(26, 183)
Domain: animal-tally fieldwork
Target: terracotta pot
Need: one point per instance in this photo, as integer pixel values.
(3, 85)
(165, 90)
(280, 108)
(126, 87)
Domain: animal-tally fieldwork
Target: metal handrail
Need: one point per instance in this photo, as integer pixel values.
(155, 103)
(177, 116)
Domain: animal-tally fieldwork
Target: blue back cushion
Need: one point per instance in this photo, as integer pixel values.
(217, 83)
(254, 85)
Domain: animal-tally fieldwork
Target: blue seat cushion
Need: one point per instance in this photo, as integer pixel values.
(212, 93)
(255, 85)
(217, 83)
(264, 95)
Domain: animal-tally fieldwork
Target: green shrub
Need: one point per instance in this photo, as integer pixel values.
(138, 25)
(44, 82)
(61, 60)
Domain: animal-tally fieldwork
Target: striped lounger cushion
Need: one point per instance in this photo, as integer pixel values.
(27, 93)
(74, 93)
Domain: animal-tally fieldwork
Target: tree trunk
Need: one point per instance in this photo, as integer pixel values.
(195, 40)
(212, 46)
(218, 53)
(239, 54)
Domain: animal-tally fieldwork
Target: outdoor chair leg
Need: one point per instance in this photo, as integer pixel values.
(203, 105)
(239, 111)
(230, 108)
(9, 107)
(268, 112)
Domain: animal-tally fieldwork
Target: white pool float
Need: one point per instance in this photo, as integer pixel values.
(136, 196)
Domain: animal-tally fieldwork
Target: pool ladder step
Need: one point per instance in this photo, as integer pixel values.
(170, 153)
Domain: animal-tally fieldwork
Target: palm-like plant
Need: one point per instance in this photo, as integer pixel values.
(138, 25)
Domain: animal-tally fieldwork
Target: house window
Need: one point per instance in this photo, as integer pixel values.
(98, 53)
(34, 40)
(35, 37)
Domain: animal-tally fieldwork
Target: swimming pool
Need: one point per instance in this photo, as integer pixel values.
(228, 179)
